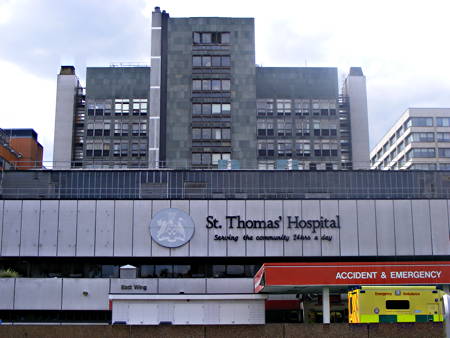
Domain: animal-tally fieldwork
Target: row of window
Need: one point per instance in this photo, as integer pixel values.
(211, 61)
(299, 166)
(209, 158)
(122, 148)
(211, 108)
(428, 153)
(413, 137)
(207, 38)
(302, 148)
(269, 107)
(302, 128)
(426, 122)
(211, 85)
(121, 107)
(211, 134)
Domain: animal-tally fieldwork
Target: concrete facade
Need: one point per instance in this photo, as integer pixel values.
(103, 228)
(418, 140)
(66, 90)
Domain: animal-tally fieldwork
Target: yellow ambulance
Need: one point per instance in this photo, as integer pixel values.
(395, 304)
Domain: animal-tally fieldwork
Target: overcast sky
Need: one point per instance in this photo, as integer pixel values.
(402, 47)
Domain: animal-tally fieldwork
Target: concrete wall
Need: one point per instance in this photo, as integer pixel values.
(92, 293)
(355, 89)
(65, 104)
(412, 330)
(179, 86)
(105, 228)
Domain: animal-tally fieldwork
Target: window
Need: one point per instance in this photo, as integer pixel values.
(303, 148)
(442, 121)
(397, 304)
(284, 127)
(264, 107)
(211, 85)
(209, 61)
(443, 137)
(265, 127)
(220, 156)
(139, 106)
(444, 152)
(284, 148)
(423, 166)
(422, 137)
(265, 148)
(421, 153)
(420, 122)
(444, 166)
(211, 38)
(121, 106)
(283, 107)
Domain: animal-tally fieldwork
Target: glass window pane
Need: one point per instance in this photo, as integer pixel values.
(226, 107)
(206, 37)
(226, 61)
(196, 85)
(206, 108)
(215, 61)
(216, 108)
(206, 61)
(206, 84)
(196, 61)
(215, 84)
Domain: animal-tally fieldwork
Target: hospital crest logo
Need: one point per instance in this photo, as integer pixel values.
(171, 228)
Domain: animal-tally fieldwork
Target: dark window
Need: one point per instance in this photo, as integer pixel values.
(226, 61)
(206, 37)
(397, 304)
(197, 38)
(196, 61)
(215, 61)
(196, 109)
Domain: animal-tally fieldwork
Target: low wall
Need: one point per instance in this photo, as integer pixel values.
(410, 330)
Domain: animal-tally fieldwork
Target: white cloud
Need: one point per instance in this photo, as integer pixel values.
(28, 101)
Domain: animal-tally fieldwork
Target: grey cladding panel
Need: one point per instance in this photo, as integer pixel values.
(329, 210)
(67, 231)
(11, 228)
(237, 248)
(48, 234)
(104, 228)
(85, 294)
(422, 227)
(7, 292)
(385, 227)
(403, 228)
(46, 294)
(311, 211)
(439, 227)
(292, 247)
(254, 211)
(198, 245)
(218, 209)
(349, 228)
(123, 228)
(86, 228)
(184, 249)
(158, 250)
(141, 234)
(273, 210)
(29, 238)
(367, 230)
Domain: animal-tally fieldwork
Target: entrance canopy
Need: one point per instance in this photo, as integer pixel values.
(311, 277)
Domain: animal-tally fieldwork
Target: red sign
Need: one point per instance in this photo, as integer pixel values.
(400, 273)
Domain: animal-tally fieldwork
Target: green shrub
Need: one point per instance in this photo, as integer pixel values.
(9, 273)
